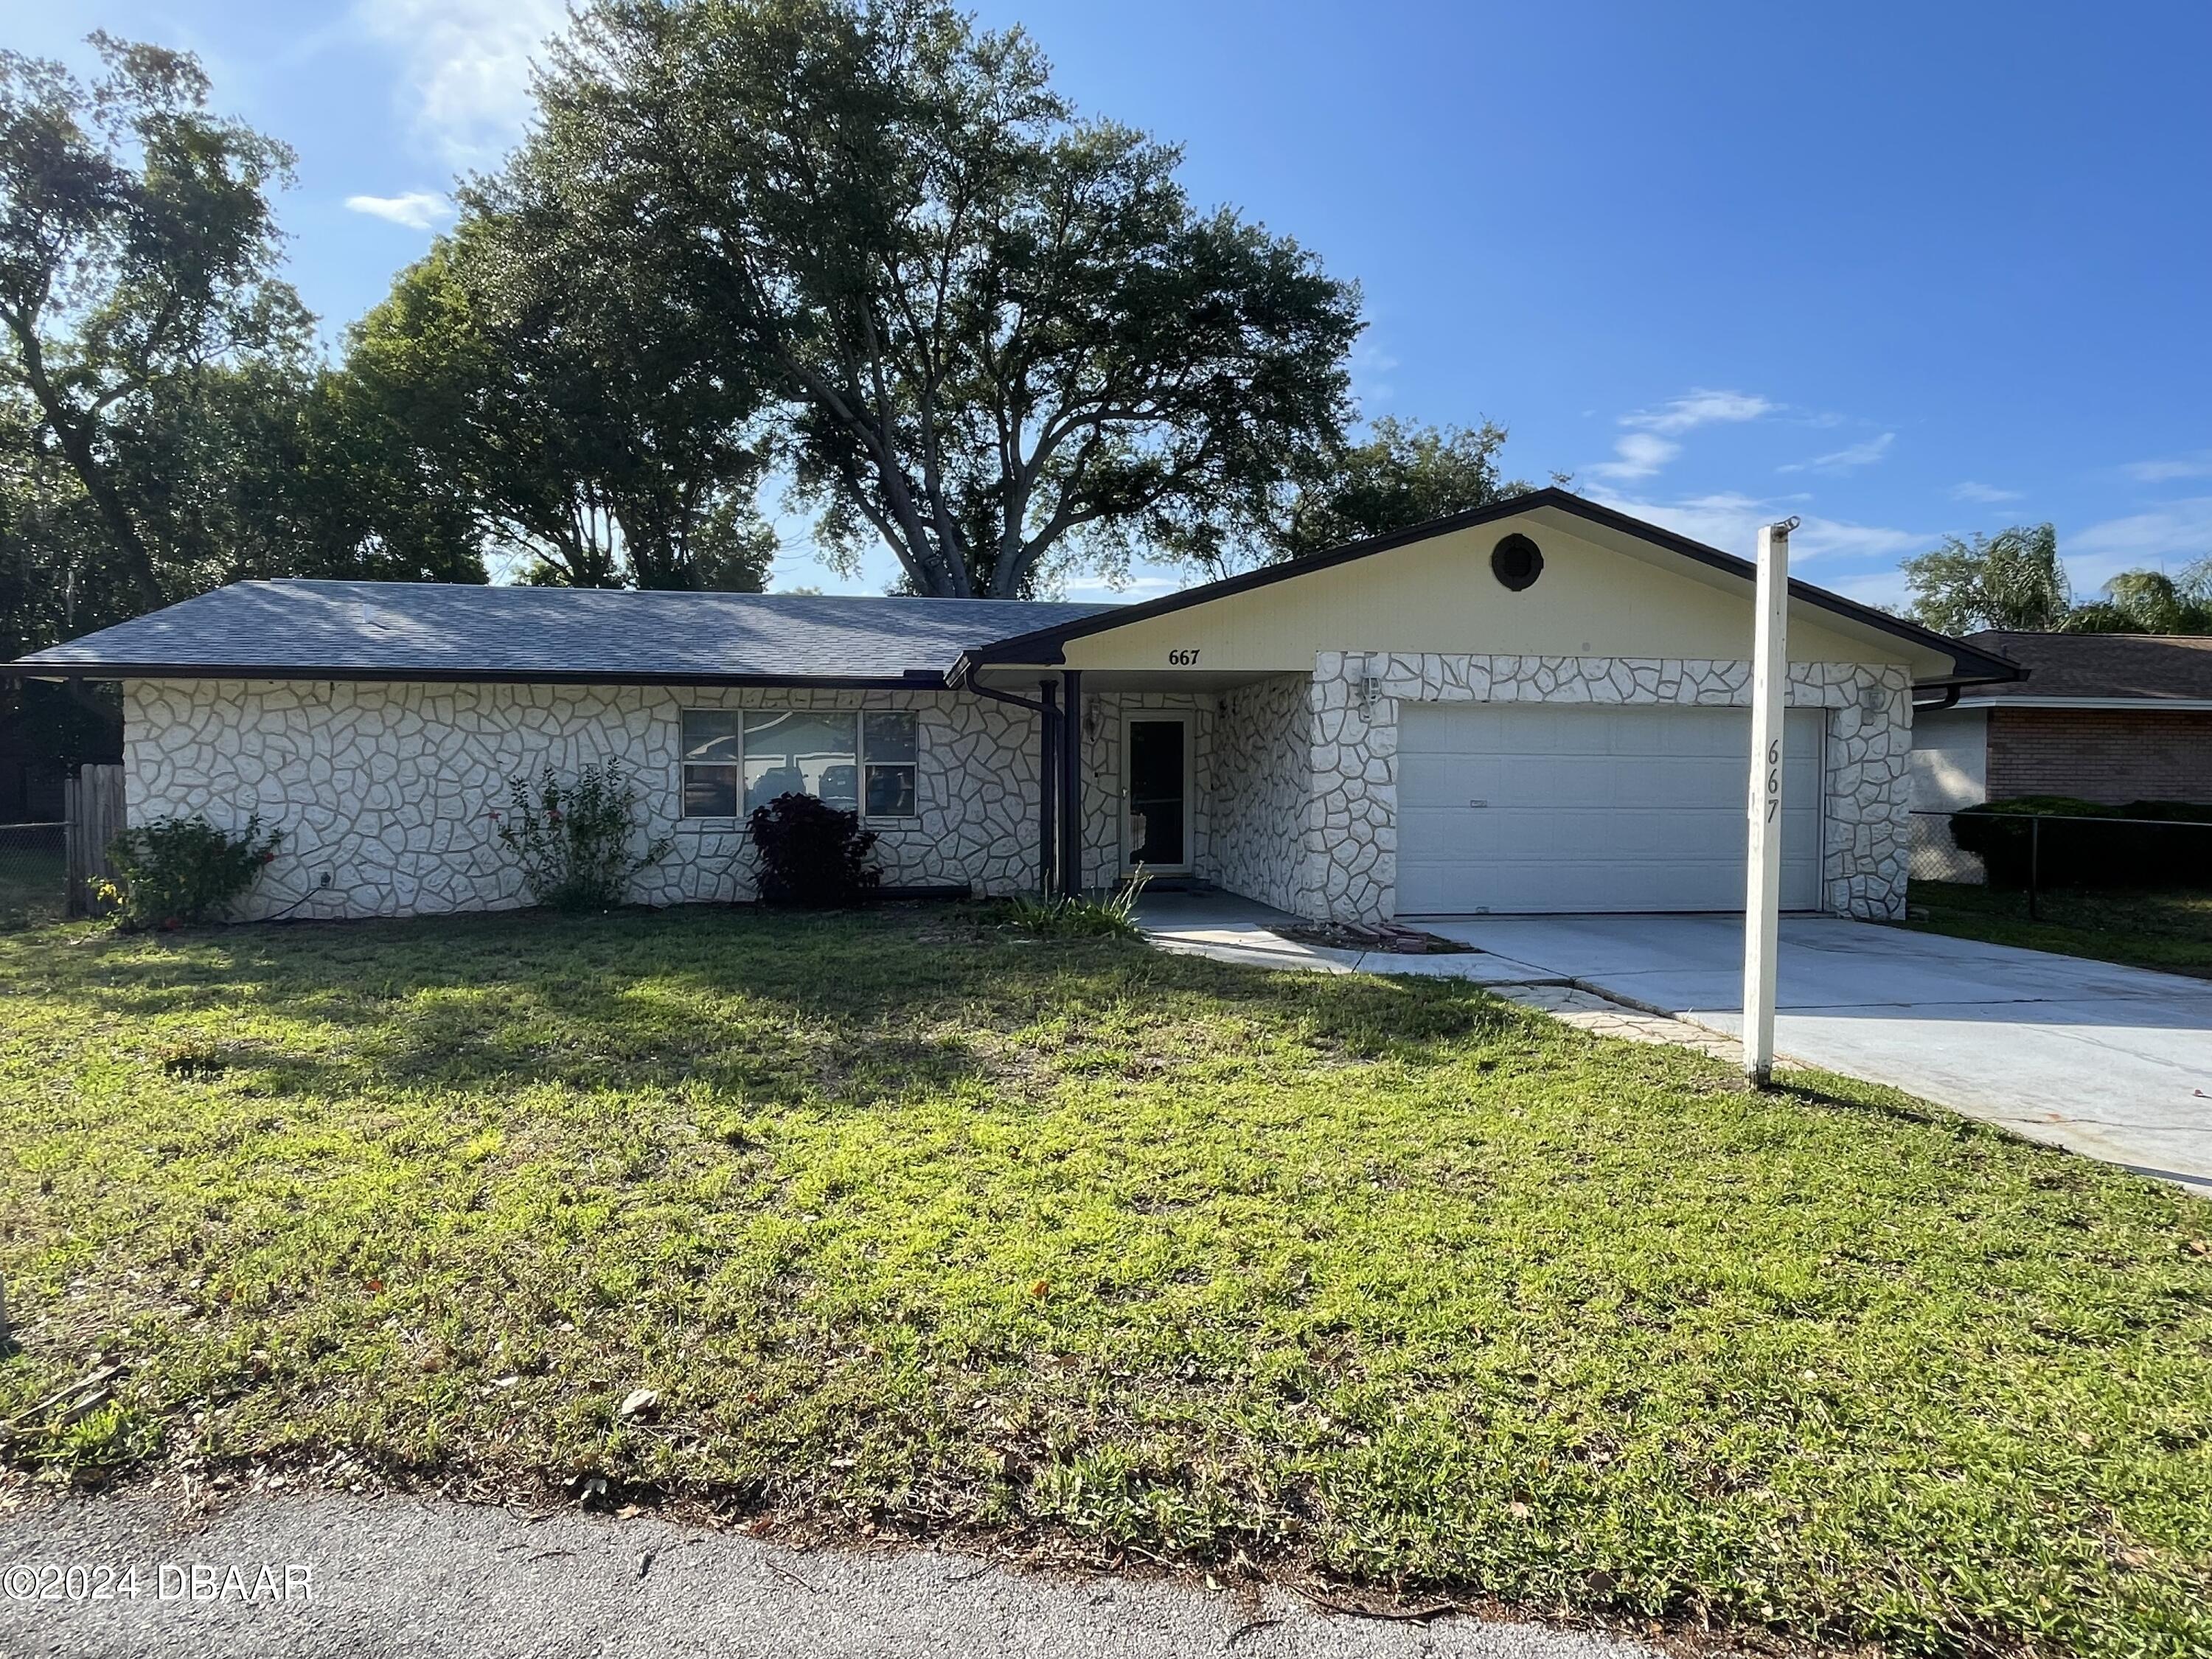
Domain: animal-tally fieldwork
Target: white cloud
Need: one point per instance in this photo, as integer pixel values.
(1730, 521)
(1886, 590)
(2198, 466)
(1650, 444)
(2178, 530)
(418, 210)
(465, 67)
(1699, 408)
(1987, 495)
(1638, 455)
(1842, 460)
(1839, 538)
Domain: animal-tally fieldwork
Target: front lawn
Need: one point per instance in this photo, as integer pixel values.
(917, 1223)
(2168, 929)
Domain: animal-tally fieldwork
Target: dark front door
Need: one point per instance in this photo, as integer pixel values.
(1156, 794)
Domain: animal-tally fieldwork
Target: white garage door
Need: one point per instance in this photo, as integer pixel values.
(1565, 807)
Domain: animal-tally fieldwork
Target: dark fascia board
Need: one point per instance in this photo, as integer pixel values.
(910, 680)
(1043, 645)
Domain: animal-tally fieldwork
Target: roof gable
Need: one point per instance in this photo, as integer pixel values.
(1938, 660)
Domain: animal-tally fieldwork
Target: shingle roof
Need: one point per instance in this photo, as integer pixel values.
(343, 629)
(2155, 667)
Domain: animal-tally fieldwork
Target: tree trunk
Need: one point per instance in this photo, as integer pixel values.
(76, 448)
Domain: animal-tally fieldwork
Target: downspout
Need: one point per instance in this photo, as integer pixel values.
(1071, 785)
(1048, 739)
(1950, 696)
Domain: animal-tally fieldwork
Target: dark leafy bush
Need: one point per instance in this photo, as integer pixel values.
(175, 870)
(573, 839)
(2079, 844)
(812, 855)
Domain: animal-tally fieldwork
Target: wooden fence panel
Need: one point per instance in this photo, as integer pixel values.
(92, 805)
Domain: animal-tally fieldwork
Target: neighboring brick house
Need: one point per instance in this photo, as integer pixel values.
(2103, 717)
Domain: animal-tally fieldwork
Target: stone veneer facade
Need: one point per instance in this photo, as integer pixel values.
(389, 786)
(1263, 781)
(1349, 870)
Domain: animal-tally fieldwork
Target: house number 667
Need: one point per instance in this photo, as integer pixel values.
(1773, 778)
(1183, 658)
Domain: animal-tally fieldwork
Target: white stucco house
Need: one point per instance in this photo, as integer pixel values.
(1536, 706)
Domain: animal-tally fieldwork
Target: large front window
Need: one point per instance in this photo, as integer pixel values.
(802, 754)
(736, 762)
(710, 763)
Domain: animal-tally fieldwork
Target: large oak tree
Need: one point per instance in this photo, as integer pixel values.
(999, 336)
(136, 251)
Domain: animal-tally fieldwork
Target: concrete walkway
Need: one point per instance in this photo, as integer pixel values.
(354, 1578)
(1231, 929)
(2112, 1063)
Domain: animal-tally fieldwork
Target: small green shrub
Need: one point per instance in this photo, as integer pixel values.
(573, 839)
(1083, 916)
(177, 870)
(813, 856)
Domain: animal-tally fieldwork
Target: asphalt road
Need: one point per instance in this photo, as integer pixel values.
(327, 1574)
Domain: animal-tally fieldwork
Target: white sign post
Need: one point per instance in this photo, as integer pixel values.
(1762, 900)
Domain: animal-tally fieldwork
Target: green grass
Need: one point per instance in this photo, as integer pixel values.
(920, 1221)
(2169, 930)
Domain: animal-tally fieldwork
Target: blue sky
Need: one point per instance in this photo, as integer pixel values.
(1899, 270)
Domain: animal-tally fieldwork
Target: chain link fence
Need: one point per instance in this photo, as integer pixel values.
(34, 874)
(2034, 852)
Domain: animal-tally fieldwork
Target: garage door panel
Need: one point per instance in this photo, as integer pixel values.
(1450, 777)
(1590, 807)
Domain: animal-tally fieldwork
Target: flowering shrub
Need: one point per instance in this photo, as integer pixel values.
(573, 839)
(811, 855)
(179, 871)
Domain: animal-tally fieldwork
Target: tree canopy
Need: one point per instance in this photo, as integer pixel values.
(2012, 580)
(162, 420)
(1402, 474)
(995, 335)
(859, 247)
(2150, 601)
(2015, 580)
(137, 249)
(572, 434)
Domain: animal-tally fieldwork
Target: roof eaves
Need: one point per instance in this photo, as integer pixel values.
(31, 668)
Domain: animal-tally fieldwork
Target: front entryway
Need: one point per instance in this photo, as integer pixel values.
(1156, 827)
(1548, 807)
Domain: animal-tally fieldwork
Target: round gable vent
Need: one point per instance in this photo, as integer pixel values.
(1516, 562)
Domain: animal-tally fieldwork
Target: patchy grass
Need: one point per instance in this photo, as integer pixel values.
(32, 877)
(2166, 929)
(923, 1222)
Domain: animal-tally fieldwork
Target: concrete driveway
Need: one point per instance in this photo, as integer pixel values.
(2115, 1063)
